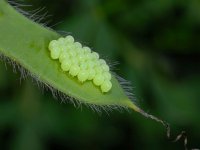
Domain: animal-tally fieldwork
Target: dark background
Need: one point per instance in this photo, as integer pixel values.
(157, 45)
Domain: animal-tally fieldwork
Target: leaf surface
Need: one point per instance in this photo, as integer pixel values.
(26, 43)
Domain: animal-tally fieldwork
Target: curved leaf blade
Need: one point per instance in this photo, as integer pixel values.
(26, 43)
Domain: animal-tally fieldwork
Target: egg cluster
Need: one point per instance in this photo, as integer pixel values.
(81, 62)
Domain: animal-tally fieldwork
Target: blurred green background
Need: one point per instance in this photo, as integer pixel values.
(157, 45)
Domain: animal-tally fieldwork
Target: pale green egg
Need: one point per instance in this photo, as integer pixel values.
(96, 64)
(66, 45)
(55, 53)
(106, 86)
(65, 65)
(63, 48)
(95, 55)
(105, 67)
(69, 39)
(74, 61)
(102, 61)
(90, 64)
(63, 56)
(61, 41)
(74, 70)
(86, 50)
(80, 57)
(88, 56)
(98, 79)
(79, 51)
(83, 75)
(91, 74)
(53, 44)
(72, 53)
(77, 45)
(107, 75)
(83, 66)
(98, 70)
(70, 48)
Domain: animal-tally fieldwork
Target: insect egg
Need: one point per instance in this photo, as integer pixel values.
(77, 45)
(86, 50)
(72, 53)
(64, 56)
(105, 67)
(83, 66)
(91, 74)
(90, 64)
(95, 55)
(106, 86)
(83, 75)
(98, 79)
(80, 57)
(65, 65)
(53, 44)
(74, 61)
(74, 70)
(69, 39)
(98, 70)
(107, 75)
(101, 61)
(55, 53)
(61, 41)
(88, 56)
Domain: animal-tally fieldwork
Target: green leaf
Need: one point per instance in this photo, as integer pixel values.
(26, 43)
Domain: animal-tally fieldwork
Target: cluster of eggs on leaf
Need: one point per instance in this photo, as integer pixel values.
(81, 62)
